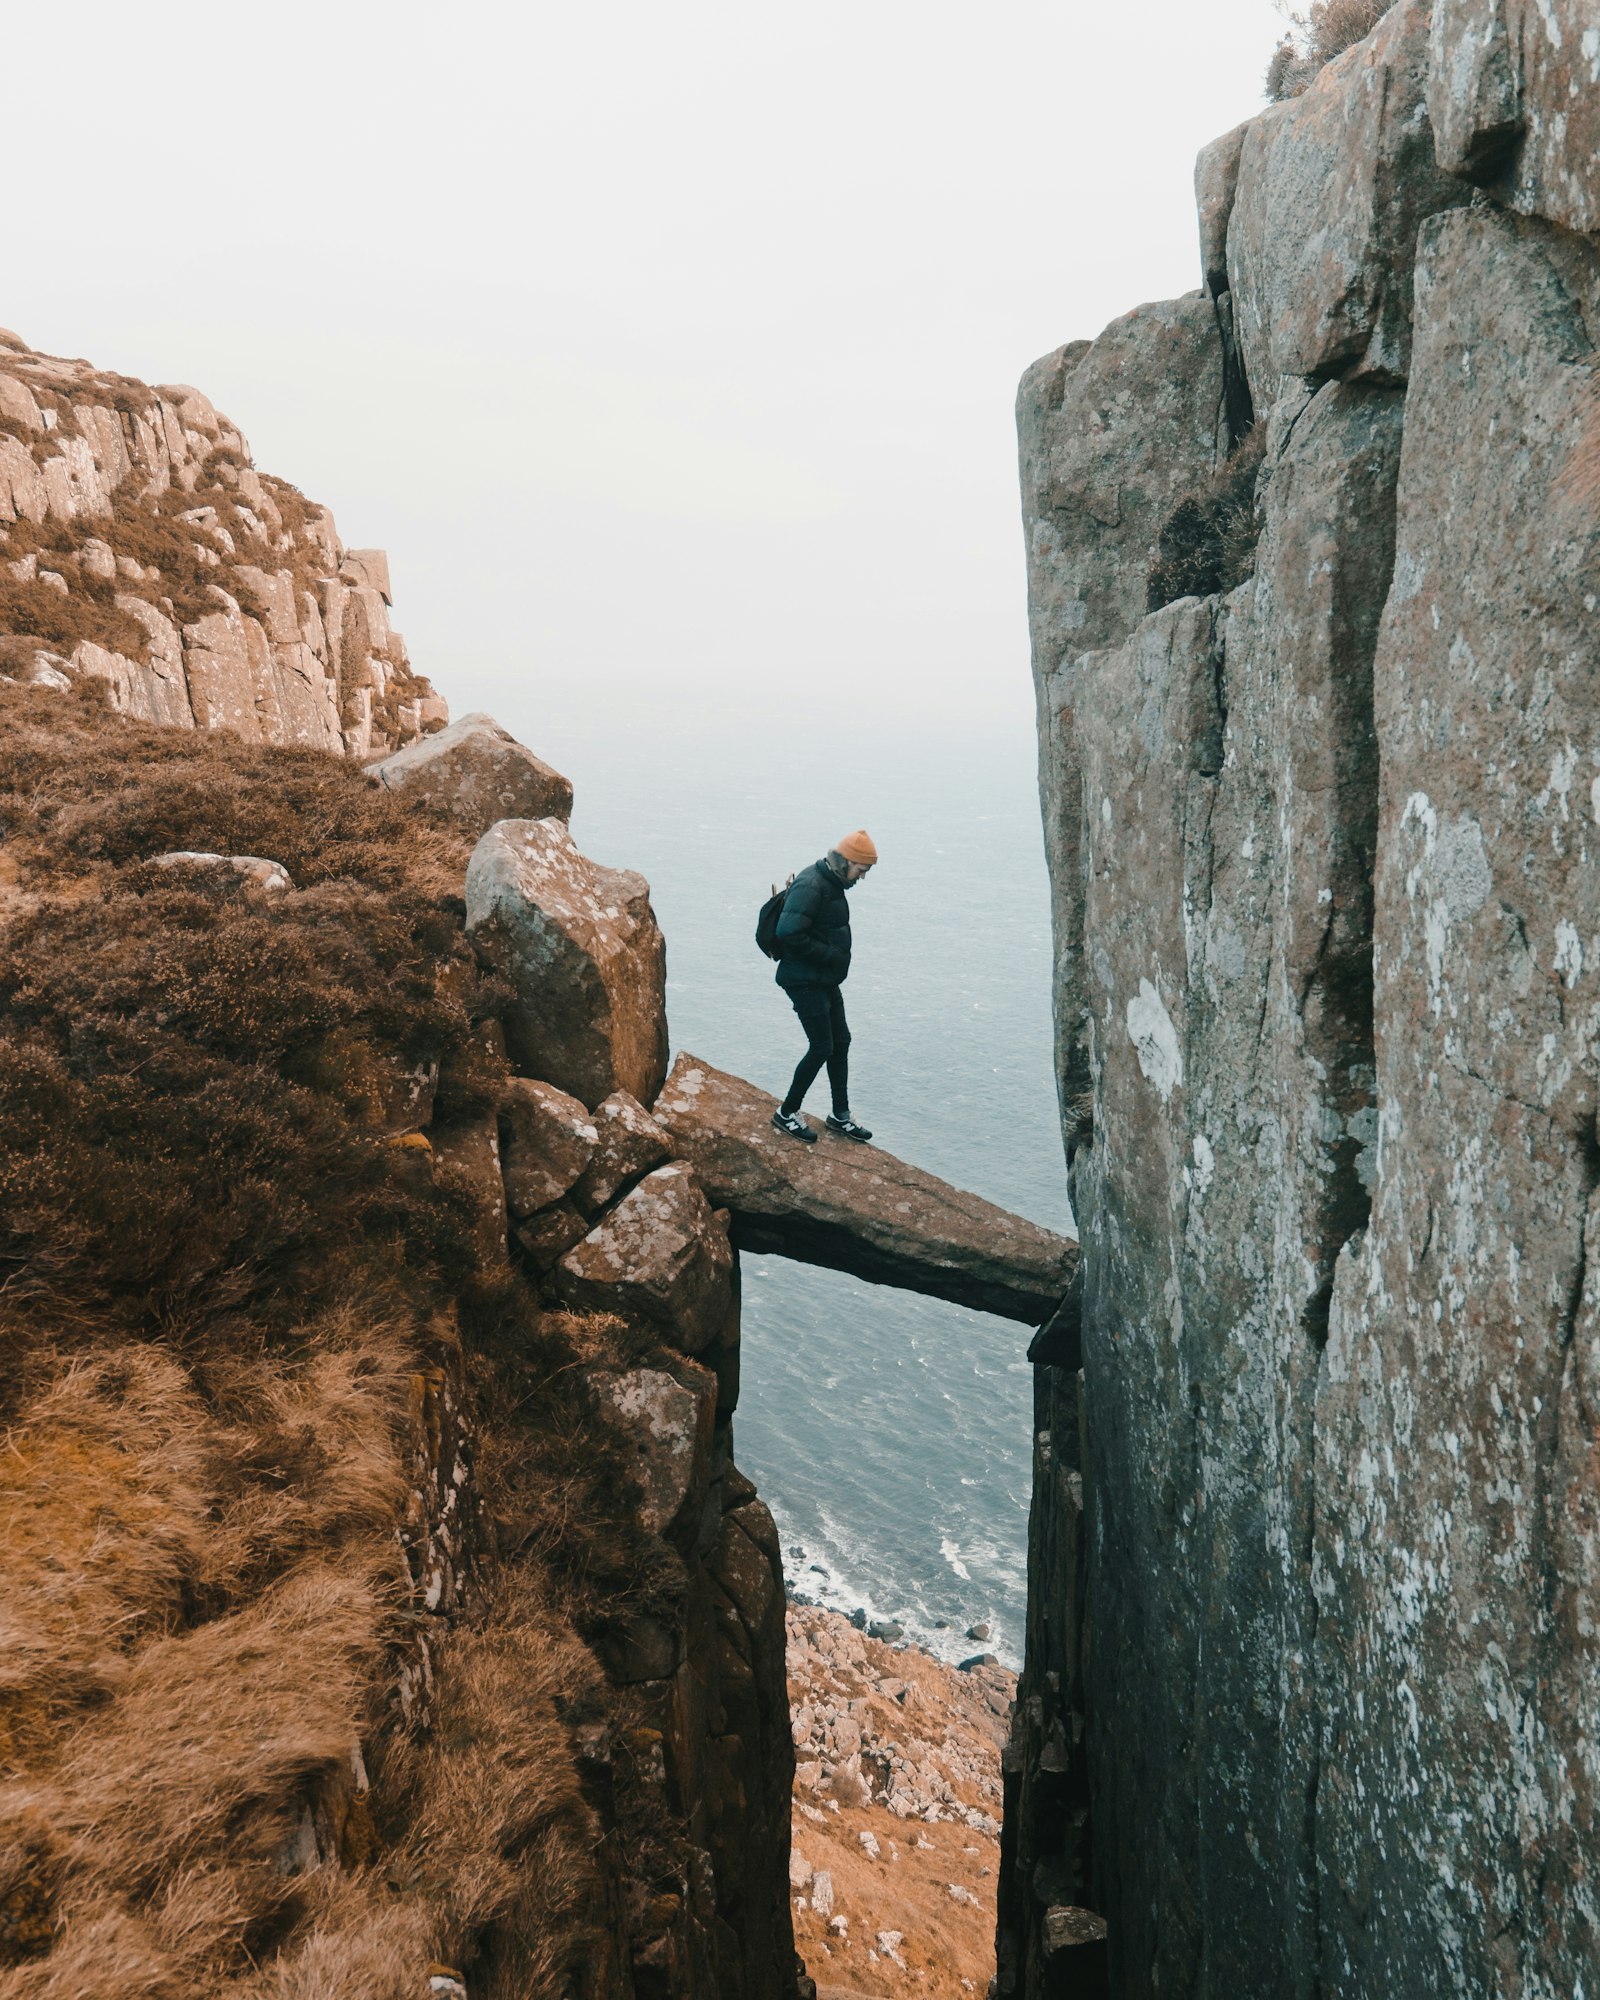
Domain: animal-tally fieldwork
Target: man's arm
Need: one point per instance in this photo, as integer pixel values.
(797, 932)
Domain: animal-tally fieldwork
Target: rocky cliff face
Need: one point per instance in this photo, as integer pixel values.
(1310, 1695)
(139, 544)
(386, 1611)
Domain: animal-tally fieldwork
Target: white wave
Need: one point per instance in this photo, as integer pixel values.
(951, 1551)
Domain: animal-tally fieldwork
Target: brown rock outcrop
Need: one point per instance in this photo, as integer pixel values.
(557, 1668)
(546, 1142)
(478, 773)
(668, 1417)
(629, 1143)
(581, 947)
(659, 1256)
(856, 1208)
(139, 544)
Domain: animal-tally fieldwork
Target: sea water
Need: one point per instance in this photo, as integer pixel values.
(889, 1433)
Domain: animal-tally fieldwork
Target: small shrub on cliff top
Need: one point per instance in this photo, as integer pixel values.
(1320, 32)
(1208, 542)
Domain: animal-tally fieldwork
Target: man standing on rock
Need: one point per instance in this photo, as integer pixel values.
(813, 963)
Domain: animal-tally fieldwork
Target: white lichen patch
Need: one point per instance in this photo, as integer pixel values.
(1155, 1040)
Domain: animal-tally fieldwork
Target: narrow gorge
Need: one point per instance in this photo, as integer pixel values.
(389, 1616)
(1310, 1698)
(388, 1613)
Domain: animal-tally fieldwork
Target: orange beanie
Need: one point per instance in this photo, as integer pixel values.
(858, 847)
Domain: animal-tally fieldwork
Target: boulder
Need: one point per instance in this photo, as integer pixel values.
(1514, 96)
(856, 1208)
(1332, 188)
(629, 1143)
(270, 877)
(660, 1258)
(17, 403)
(546, 1141)
(44, 669)
(548, 1236)
(582, 950)
(478, 773)
(369, 567)
(667, 1421)
(1076, 1933)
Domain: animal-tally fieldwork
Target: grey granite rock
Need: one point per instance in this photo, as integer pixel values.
(1458, 1546)
(1514, 95)
(1331, 189)
(1112, 434)
(581, 947)
(478, 773)
(659, 1258)
(547, 1140)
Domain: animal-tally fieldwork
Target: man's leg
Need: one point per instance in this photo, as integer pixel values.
(839, 1060)
(839, 1119)
(811, 1004)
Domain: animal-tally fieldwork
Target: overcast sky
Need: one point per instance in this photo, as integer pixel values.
(670, 350)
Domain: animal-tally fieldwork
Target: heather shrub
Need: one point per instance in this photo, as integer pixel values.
(1320, 32)
(1208, 542)
(218, 1284)
(164, 1031)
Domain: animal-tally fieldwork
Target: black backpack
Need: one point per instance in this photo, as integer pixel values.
(767, 921)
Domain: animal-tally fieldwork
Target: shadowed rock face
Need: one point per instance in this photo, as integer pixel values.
(857, 1208)
(1310, 1695)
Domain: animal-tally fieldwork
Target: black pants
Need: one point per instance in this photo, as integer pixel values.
(821, 1011)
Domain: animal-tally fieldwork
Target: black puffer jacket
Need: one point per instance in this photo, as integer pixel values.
(814, 930)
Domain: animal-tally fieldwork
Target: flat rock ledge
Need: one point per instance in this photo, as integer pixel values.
(857, 1208)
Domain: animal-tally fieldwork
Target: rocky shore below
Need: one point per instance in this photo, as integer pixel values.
(896, 1810)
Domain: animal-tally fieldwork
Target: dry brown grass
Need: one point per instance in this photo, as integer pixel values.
(58, 620)
(150, 531)
(1318, 34)
(217, 1285)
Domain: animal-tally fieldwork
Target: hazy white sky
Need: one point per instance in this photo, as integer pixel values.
(670, 350)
